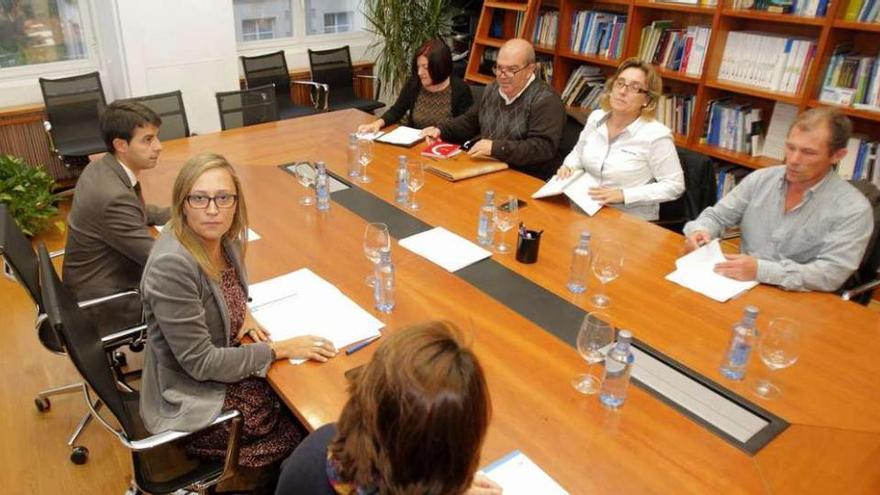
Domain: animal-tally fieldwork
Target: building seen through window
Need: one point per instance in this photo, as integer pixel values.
(40, 32)
(257, 20)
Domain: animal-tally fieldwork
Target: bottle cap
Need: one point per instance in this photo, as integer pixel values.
(490, 194)
(352, 138)
(624, 336)
(751, 312)
(401, 159)
(585, 236)
(321, 166)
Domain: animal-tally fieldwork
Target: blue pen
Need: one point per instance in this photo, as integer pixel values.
(353, 349)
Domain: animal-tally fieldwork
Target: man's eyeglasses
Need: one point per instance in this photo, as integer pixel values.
(500, 70)
(632, 87)
(201, 201)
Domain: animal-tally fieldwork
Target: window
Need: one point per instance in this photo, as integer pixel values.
(262, 20)
(258, 29)
(337, 22)
(41, 32)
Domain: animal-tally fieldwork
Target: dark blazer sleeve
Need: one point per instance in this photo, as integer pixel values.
(124, 229)
(462, 99)
(173, 288)
(158, 215)
(404, 103)
(463, 127)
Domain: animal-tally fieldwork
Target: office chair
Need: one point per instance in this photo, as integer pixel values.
(861, 284)
(18, 255)
(271, 68)
(699, 191)
(168, 106)
(247, 107)
(333, 68)
(159, 462)
(73, 107)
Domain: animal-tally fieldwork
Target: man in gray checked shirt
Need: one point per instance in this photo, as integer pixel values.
(803, 227)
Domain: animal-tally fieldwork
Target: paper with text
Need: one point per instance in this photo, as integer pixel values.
(696, 271)
(302, 303)
(518, 475)
(402, 135)
(444, 248)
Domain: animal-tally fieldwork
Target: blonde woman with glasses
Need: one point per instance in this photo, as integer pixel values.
(195, 292)
(630, 156)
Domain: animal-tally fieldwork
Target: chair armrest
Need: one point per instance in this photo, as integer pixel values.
(378, 84)
(121, 337)
(861, 289)
(55, 254)
(320, 94)
(47, 126)
(169, 436)
(88, 303)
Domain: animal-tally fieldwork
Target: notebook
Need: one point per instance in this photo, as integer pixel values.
(401, 136)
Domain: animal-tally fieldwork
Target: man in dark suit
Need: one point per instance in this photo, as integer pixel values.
(108, 240)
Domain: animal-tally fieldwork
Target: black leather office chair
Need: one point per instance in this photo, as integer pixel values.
(861, 285)
(168, 106)
(73, 107)
(271, 68)
(333, 68)
(247, 107)
(18, 254)
(160, 465)
(699, 191)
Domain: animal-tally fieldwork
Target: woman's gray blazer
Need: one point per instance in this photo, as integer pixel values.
(188, 359)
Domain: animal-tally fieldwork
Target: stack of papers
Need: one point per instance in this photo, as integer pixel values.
(444, 248)
(575, 187)
(302, 303)
(696, 271)
(518, 475)
(401, 136)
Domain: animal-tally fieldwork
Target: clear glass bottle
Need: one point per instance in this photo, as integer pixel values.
(383, 290)
(401, 190)
(580, 265)
(742, 341)
(322, 187)
(618, 367)
(354, 165)
(486, 222)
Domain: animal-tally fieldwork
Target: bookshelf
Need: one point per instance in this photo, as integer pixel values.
(827, 32)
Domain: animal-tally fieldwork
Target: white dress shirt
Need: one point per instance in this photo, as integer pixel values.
(641, 161)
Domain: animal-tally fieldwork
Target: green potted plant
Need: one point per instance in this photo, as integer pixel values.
(401, 26)
(28, 194)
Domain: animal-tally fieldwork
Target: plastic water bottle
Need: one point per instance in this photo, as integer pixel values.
(322, 187)
(383, 290)
(618, 366)
(580, 265)
(486, 223)
(354, 166)
(402, 189)
(742, 340)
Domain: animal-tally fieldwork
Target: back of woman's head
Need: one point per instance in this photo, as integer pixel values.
(417, 415)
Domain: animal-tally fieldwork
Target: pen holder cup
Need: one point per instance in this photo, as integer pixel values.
(527, 244)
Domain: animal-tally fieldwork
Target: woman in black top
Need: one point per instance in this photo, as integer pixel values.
(431, 94)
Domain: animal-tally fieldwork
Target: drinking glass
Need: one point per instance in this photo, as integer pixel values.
(779, 347)
(505, 218)
(365, 156)
(415, 179)
(596, 333)
(306, 175)
(607, 263)
(376, 238)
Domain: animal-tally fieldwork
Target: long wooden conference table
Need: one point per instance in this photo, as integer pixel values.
(830, 399)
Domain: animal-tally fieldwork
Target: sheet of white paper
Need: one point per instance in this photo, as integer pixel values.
(252, 236)
(370, 136)
(444, 248)
(302, 303)
(577, 192)
(518, 475)
(555, 185)
(402, 135)
(695, 271)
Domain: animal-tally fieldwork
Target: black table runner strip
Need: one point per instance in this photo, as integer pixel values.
(547, 310)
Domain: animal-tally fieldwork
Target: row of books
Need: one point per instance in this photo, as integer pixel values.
(862, 11)
(677, 49)
(727, 177)
(544, 69)
(860, 161)
(734, 126)
(767, 61)
(852, 79)
(807, 8)
(703, 3)
(598, 33)
(584, 87)
(546, 28)
(676, 112)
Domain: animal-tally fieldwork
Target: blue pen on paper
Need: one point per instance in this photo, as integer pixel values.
(353, 349)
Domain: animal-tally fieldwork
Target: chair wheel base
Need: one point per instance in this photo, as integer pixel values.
(119, 359)
(79, 456)
(42, 404)
(136, 346)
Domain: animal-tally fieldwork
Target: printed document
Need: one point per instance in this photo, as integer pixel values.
(444, 248)
(575, 187)
(518, 475)
(696, 271)
(401, 136)
(302, 303)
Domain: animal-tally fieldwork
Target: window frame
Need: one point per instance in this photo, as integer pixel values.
(58, 69)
